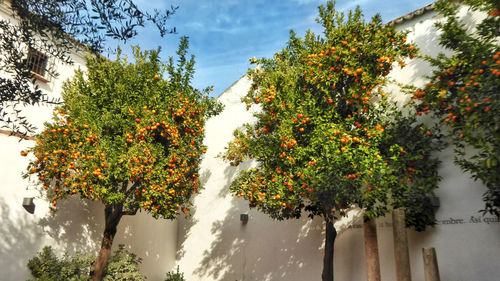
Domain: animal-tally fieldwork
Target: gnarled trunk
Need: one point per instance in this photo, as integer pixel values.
(330, 236)
(113, 216)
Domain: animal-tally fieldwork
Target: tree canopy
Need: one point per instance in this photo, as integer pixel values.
(55, 29)
(326, 130)
(463, 93)
(129, 135)
(327, 135)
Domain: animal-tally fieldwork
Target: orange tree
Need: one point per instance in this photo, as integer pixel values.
(321, 136)
(464, 93)
(128, 135)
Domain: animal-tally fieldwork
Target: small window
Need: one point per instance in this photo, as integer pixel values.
(38, 64)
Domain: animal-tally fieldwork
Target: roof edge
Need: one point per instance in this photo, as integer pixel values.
(413, 14)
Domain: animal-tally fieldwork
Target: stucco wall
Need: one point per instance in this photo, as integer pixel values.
(214, 245)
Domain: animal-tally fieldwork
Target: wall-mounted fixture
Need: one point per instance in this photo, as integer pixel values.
(28, 205)
(244, 218)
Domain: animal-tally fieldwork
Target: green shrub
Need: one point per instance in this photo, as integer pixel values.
(175, 276)
(46, 266)
(123, 266)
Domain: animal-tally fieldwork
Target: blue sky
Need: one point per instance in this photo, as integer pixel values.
(225, 34)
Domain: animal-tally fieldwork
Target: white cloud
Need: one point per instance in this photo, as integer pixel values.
(348, 5)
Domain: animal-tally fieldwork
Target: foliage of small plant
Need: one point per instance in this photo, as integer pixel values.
(175, 275)
(463, 93)
(123, 266)
(46, 266)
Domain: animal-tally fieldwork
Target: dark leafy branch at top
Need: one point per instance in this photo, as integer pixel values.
(54, 28)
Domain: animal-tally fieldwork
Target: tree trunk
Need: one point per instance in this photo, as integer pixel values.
(431, 269)
(371, 251)
(112, 216)
(330, 236)
(401, 253)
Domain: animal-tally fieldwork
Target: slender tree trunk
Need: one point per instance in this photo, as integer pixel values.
(371, 251)
(431, 269)
(401, 252)
(112, 216)
(330, 236)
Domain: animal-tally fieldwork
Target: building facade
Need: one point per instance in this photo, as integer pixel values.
(214, 243)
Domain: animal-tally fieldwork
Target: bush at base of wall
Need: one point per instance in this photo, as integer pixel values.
(45, 266)
(175, 276)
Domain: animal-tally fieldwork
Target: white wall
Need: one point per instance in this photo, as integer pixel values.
(467, 243)
(39, 114)
(214, 245)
